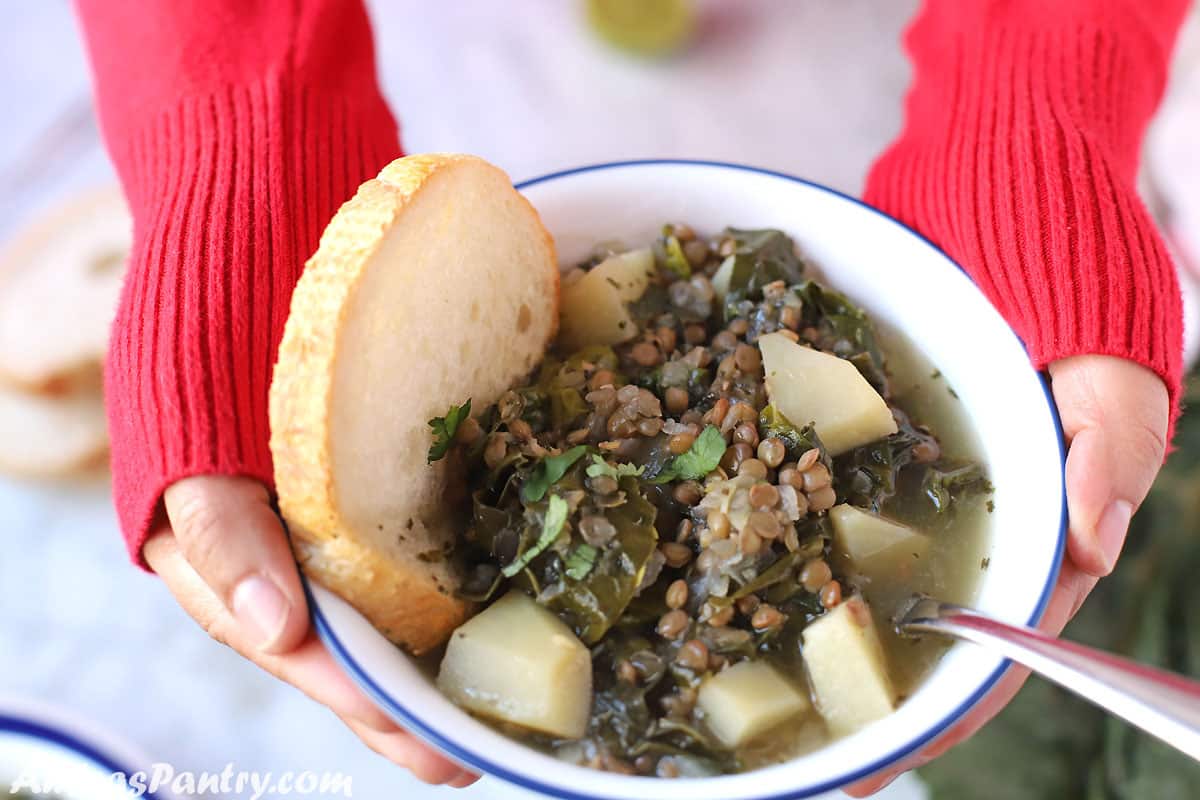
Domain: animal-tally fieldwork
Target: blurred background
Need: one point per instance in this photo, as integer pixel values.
(810, 88)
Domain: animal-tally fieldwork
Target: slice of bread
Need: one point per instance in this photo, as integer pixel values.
(436, 283)
(52, 436)
(59, 284)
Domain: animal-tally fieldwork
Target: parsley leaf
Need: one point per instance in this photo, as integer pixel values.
(556, 517)
(701, 458)
(600, 467)
(444, 429)
(580, 561)
(549, 470)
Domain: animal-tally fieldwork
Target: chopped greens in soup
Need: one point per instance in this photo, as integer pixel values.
(690, 527)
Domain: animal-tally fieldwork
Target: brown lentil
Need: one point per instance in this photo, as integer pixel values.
(644, 763)
(675, 553)
(621, 426)
(724, 342)
(739, 326)
(650, 427)
(747, 358)
(764, 495)
(680, 443)
(688, 493)
(815, 574)
(926, 450)
(468, 431)
(790, 318)
(683, 530)
(764, 523)
(808, 459)
(677, 594)
(497, 448)
(627, 393)
(693, 655)
(766, 617)
(604, 400)
(672, 624)
(816, 477)
(716, 414)
(734, 456)
(831, 594)
(696, 252)
(666, 340)
(520, 429)
(721, 617)
(749, 542)
(626, 672)
(789, 476)
(600, 378)
(751, 466)
(596, 530)
(718, 524)
(647, 404)
(604, 484)
(694, 334)
(771, 452)
(677, 400)
(822, 500)
(746, 433)
(748, 604)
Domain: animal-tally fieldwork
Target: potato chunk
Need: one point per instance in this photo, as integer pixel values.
(747, 699)
(517, 662)
(811, 386)
(847, 669)
(874, 546)
(594, 308)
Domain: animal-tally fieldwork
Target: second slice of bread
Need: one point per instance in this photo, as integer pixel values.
(436, 283)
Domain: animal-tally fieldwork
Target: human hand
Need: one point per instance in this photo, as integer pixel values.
(1114, 415)
(225, 557)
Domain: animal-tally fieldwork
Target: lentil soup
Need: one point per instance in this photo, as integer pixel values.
(691, 526)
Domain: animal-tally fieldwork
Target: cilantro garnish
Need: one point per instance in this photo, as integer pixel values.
(701, 458)
(600, 467)
(556, 517)
(549, 470)
(444, 429)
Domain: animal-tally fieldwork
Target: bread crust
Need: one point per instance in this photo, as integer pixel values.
(402, 598)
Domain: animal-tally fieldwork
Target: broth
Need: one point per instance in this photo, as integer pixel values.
(961, 540)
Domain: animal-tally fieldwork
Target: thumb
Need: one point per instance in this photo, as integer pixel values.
(1114, 414)
(230, 535)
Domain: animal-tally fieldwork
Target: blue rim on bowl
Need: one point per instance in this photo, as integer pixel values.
(78, 744)
(479, 761)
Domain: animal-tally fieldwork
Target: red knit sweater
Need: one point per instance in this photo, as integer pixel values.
(238, 129)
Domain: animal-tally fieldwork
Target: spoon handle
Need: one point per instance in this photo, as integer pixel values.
(1161, 703)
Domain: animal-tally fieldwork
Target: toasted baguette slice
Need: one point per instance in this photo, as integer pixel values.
(52, 436)
(436, 283)
(59, 283)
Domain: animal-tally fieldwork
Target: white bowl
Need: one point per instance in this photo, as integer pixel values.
(56, 748)
(901, 279)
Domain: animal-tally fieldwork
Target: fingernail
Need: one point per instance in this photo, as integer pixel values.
(260, 609)
(1111, 529)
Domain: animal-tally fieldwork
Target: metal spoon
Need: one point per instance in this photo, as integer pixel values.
(1163, 704)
